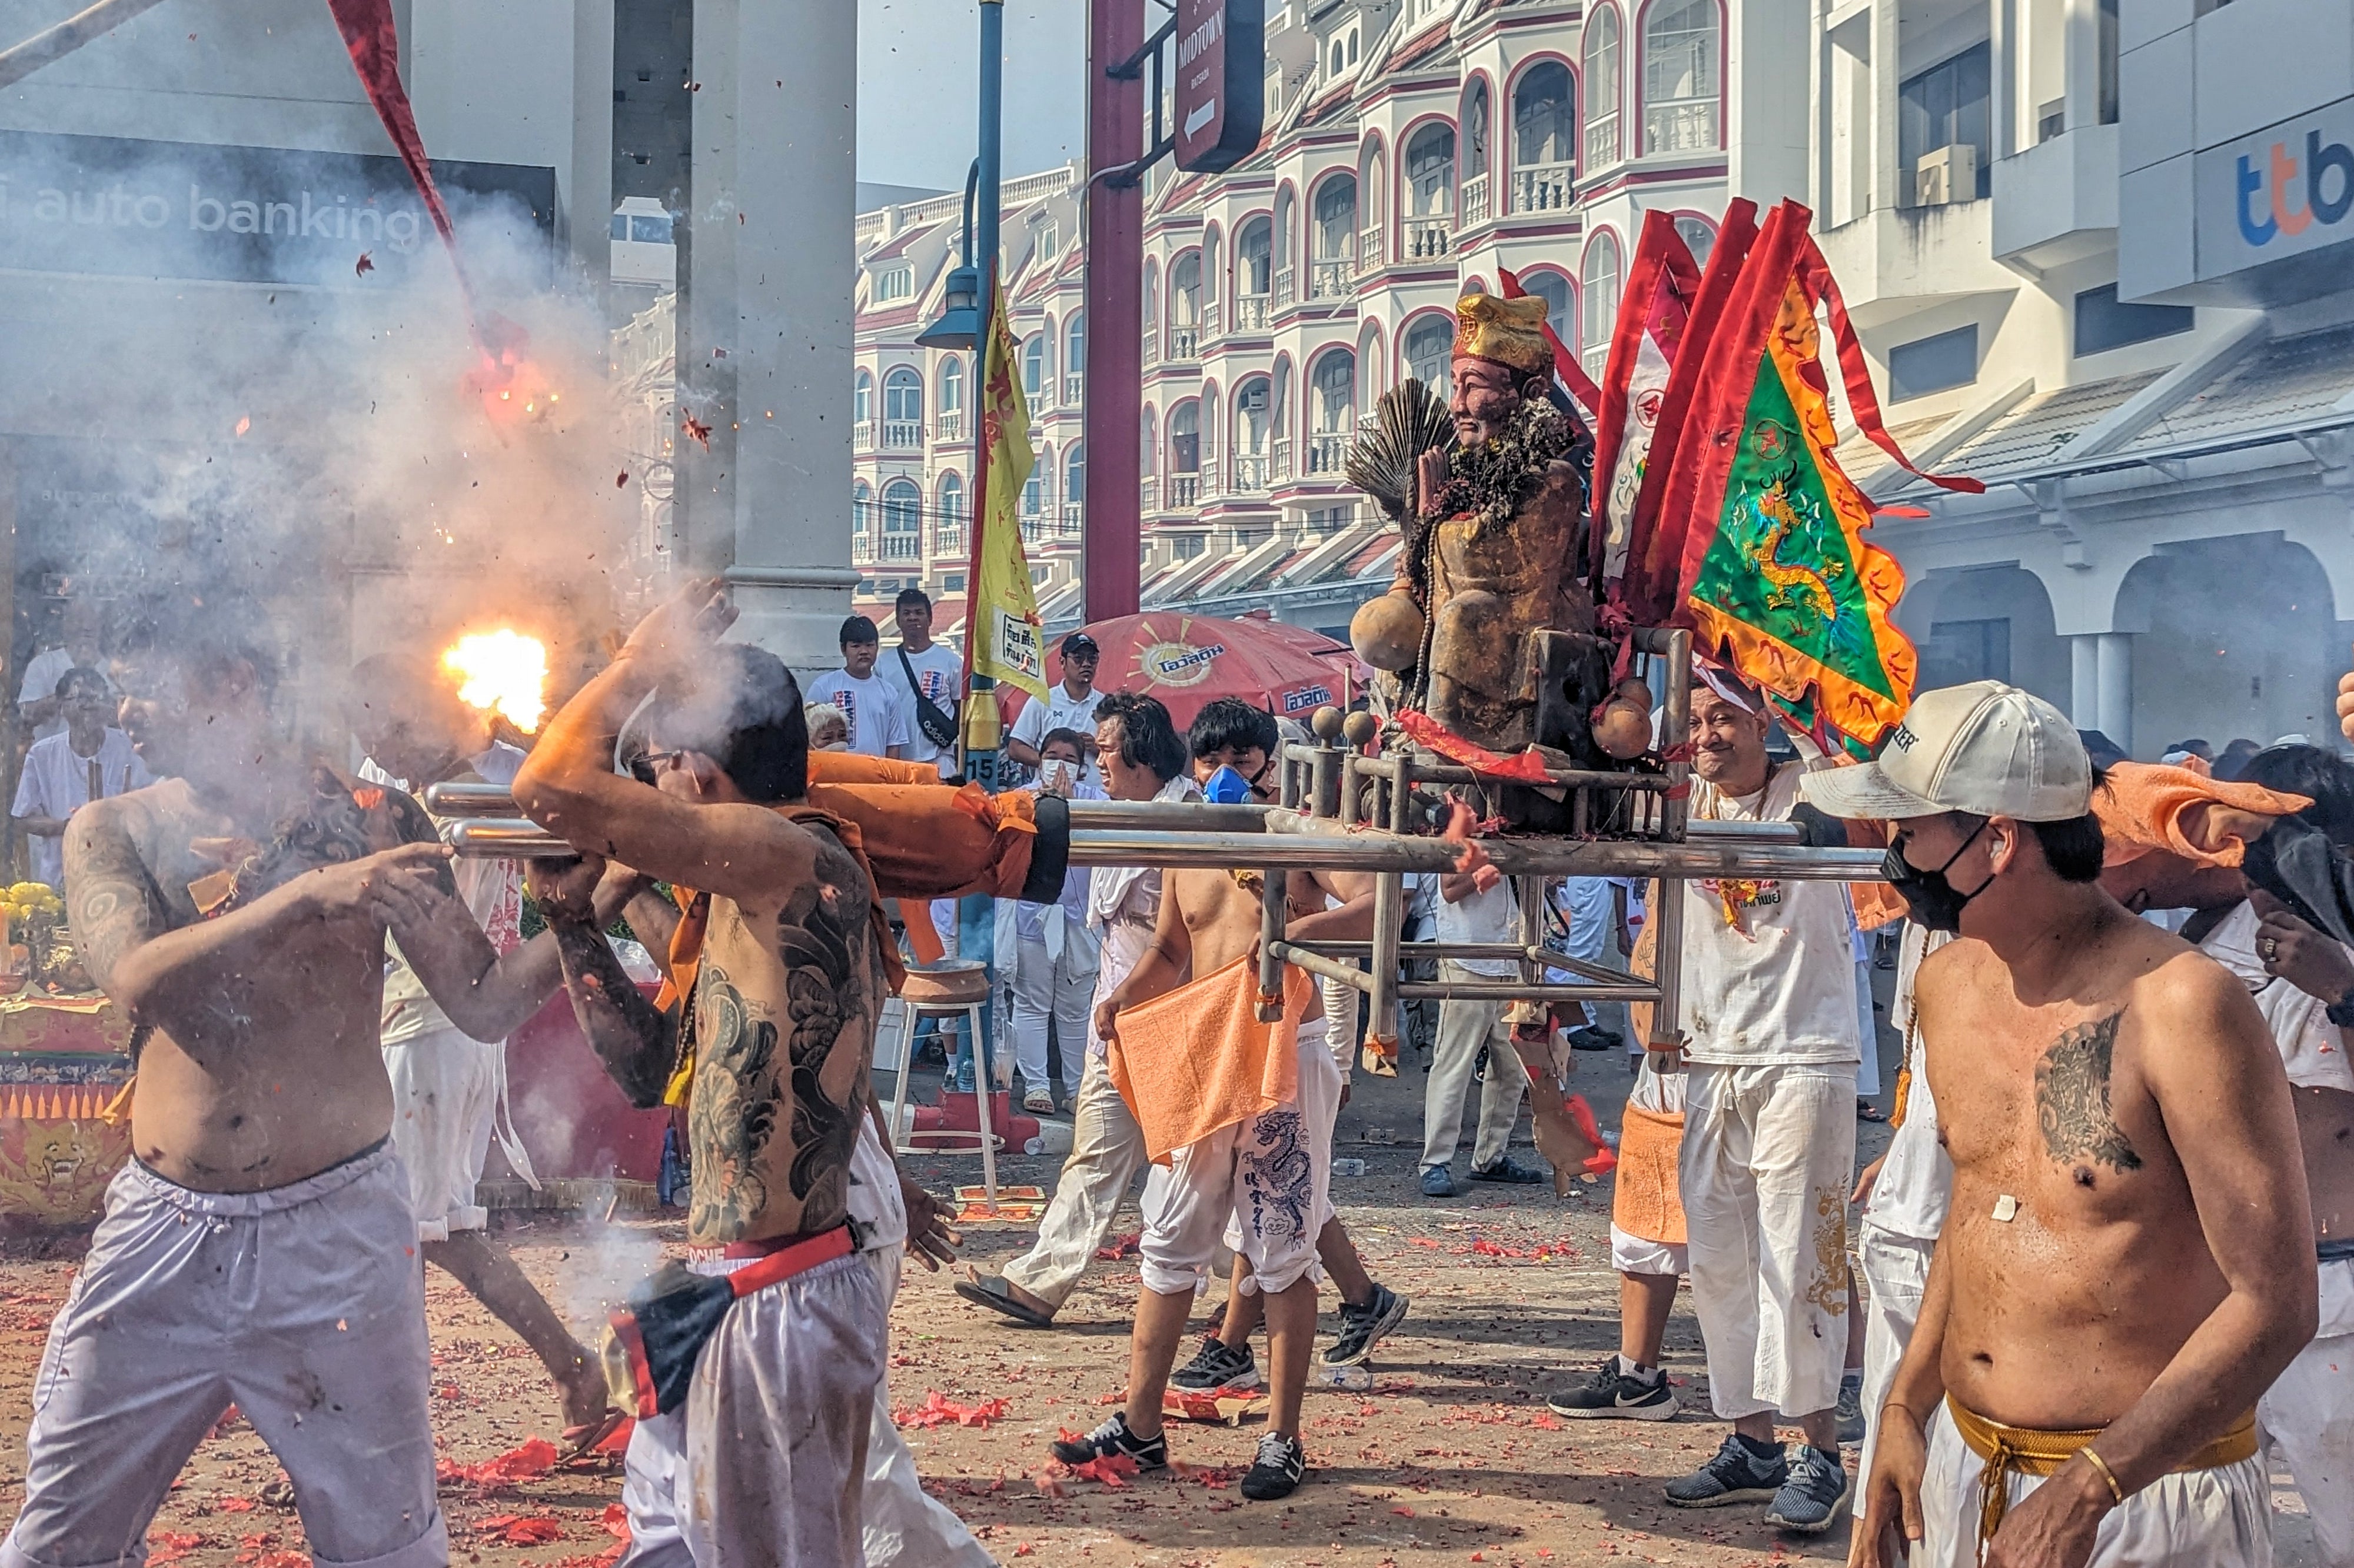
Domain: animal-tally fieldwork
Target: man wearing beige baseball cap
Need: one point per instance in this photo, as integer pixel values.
(2112, 1293)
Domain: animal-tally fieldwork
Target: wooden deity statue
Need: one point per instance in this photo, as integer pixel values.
(1488, 625)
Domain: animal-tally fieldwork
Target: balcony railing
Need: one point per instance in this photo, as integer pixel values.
(1250, 313)
(1541, 187)
(1032, 525)
(861, 436)
(1328, 451)
(1475, 201)
(1184, 492)
(1073, 385)
(1373, 247)
(903, 547)
(948, 539)
(1279, 460)
(1147, 492)
(1602, 142)
(862, 546)
(1429, 238)
(1072, 519)
(1184, 345)
(1250, 472)
(1284, 292)
(1330, 279)
(1681, 127)
(949, 426)
(903, 435)
(1214, 319)
(1151, 345)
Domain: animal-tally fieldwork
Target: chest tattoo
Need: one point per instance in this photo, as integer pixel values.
(2072, 1097)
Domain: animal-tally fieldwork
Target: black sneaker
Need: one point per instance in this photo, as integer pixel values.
(1814, 1496)
(1736, 1474)
(1277, 1469)
(1850, 1410)
(1593, 1037)
(1114, 1437)
(1611, 1394)
(1507, 1169)
(1363, 1328)
(1217, 1368)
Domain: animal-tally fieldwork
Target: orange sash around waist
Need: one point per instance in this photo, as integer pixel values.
(1649, 1203)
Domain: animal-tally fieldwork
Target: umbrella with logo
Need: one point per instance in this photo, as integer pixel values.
(1189, 660)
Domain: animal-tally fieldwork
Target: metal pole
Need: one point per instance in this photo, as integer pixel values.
(1113, 218)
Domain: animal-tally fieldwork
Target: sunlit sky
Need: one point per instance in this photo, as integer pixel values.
(919, 88)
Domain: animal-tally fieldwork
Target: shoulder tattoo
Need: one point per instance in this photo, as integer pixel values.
(2072, 1097)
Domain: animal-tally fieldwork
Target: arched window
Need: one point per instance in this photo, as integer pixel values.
(862, 508)
(1680, 76)
(903, 520)
(1033, 495)
(861, 398)
(1074, 477)
(1185, 438)
(1336, 234)
(1602, 89)
(952, 518)
(1601, 289)
(1475, 131)
(1699, 236)
(952, 385)
(903, 406)
(1042, 475)
(1149, 449)
(1429, 346)
(1033, 366)
(1543, 118)
(1553, 290)
(1336, 392)
(1185, 289)
(1430, 169)
(1339, 57)
(1152, 311)
(1352, 46)
(1287, 244)
(1254, 259)
(1369, 366)
(1251, 418)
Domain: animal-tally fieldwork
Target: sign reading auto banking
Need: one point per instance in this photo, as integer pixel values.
(2278, 193)
(116, 207)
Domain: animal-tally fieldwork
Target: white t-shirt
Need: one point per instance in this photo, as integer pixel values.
(491, 891)
(1490, 917)
(880, 712)
(1060, 710)
(2310, 1045)
(1917, 1184)
(940, 670)
(56, 783)
(1768, 977)
(41, 677)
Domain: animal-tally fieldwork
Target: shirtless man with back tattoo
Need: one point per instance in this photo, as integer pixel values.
(2128, 1260)
(259, 1248)
(763, 1461)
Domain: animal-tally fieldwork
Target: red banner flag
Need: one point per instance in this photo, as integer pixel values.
(1662, 287)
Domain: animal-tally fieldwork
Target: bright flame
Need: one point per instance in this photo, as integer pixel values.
(503, 671)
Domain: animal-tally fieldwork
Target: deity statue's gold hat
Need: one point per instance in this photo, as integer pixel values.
(1509, 331)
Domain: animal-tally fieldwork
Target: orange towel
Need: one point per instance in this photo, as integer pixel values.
(2148, 808)
(1648, 1201)
(1198, 1059)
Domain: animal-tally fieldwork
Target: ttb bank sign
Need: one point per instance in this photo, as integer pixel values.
(2278, 193)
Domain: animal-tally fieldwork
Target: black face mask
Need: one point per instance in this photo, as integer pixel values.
(1933, 901)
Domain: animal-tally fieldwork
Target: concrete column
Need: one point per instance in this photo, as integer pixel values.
(765, 351)
(2115, 682)
(2008, 60)
(2082, 66)
(1890, 185)
(2085, 681)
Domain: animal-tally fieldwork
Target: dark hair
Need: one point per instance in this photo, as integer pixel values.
(2324, 777)
(2234, 757)
(1148, 736)
(2074, 847)
(858, 629)
(80, 675)
(742, 708)
(1063, 734)
(1230, 723)
(908, 596)
(2195, 747)
(2101, 748)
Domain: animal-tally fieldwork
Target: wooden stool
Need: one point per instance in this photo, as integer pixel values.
(954, 988)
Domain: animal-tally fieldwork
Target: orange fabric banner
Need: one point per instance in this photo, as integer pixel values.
(1197, 1059)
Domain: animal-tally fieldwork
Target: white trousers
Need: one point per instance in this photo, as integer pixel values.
(903, 1525)
(2196, 1519)
(1768, 1158)
(1107, 1148)
(2309, 1414)
(445, 1100)
(1465, 1029)
(1047, 986)
(1271, 1176)
(1867, 1071)
(765, 1462)
(1895, 1273)
(304, 1304)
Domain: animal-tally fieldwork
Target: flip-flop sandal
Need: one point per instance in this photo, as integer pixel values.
(580, 1442)
(1866, 1111)
(990, 1291)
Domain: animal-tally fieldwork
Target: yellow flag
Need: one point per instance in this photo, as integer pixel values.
(1006, 637)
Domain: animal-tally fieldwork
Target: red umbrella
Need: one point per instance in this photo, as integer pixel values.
(1188, 661)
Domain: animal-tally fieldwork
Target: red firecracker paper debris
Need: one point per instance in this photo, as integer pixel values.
(698, 429)
(939, 1410)
(1110, 1470)
(1128, 1246)
(533, 1459)
(519, 1529)
(364, 266)
(617, 1441)
(235, 1505)
(165, 1546)
(617, 1521)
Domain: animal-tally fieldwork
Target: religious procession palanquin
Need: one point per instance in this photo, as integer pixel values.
(63, 1061)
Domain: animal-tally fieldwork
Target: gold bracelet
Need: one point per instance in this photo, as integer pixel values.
(2107, 1475)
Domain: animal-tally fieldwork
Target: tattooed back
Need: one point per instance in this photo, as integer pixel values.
(784, 1030)
(2075, 1246)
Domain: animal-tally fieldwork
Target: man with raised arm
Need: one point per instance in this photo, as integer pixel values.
(258, 1249)
(763, 1461)
(2128, 1263)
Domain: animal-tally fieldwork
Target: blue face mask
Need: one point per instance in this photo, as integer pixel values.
(1226, 788)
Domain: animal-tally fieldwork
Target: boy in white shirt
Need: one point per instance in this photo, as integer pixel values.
(879, 710)
(933, 670)
(86, 760)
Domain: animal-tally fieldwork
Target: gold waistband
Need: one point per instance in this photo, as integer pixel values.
(2033, 1453)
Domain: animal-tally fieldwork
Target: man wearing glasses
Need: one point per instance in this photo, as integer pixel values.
(1070, 703)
